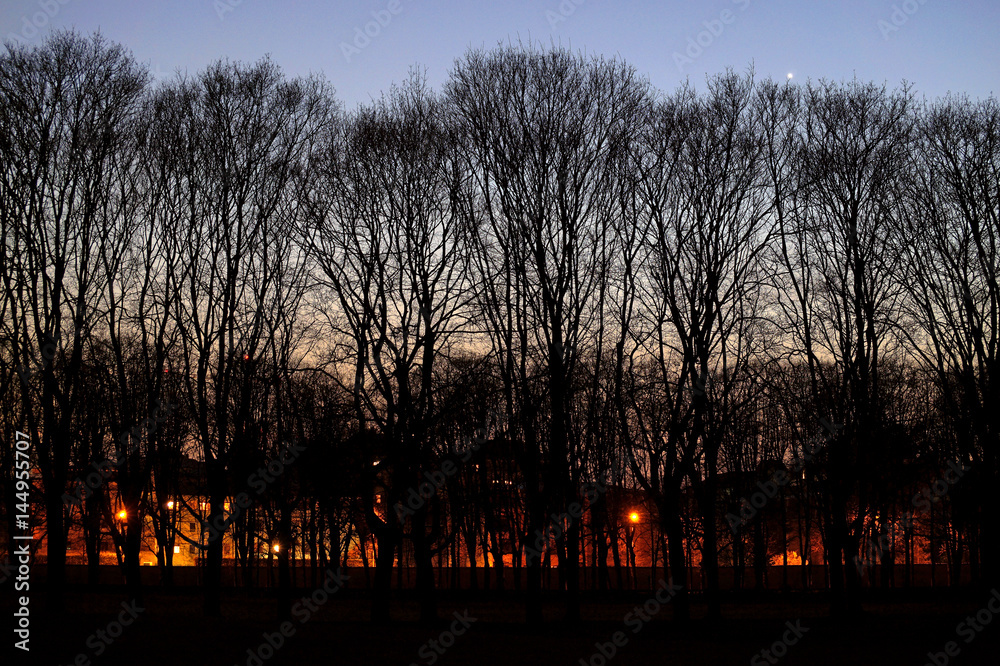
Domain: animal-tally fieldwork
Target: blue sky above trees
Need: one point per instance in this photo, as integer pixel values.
(363, 47)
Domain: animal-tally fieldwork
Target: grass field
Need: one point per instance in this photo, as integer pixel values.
(899, 628)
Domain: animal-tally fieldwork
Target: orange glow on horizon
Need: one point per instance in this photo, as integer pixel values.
(794, 560)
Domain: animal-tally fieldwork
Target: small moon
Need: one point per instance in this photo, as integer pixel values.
(790, 75)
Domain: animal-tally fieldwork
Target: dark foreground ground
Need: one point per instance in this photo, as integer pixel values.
(897, 628)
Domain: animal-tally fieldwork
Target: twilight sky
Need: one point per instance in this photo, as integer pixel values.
(938, 45)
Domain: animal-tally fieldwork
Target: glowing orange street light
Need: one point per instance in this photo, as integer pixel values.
(634, 516)
(122, 515)
(170, 505)
(277, 547)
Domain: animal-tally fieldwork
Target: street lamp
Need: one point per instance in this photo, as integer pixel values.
(634, 518)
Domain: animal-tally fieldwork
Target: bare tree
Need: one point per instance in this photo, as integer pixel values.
(66, 104)
(839, 263)
(544, 133)
(386, 239)
(706, 226)
(247, 130)
(950, 239)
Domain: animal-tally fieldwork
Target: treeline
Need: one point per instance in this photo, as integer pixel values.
(597, 278)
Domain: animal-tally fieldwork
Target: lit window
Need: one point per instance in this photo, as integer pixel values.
(177, 550)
